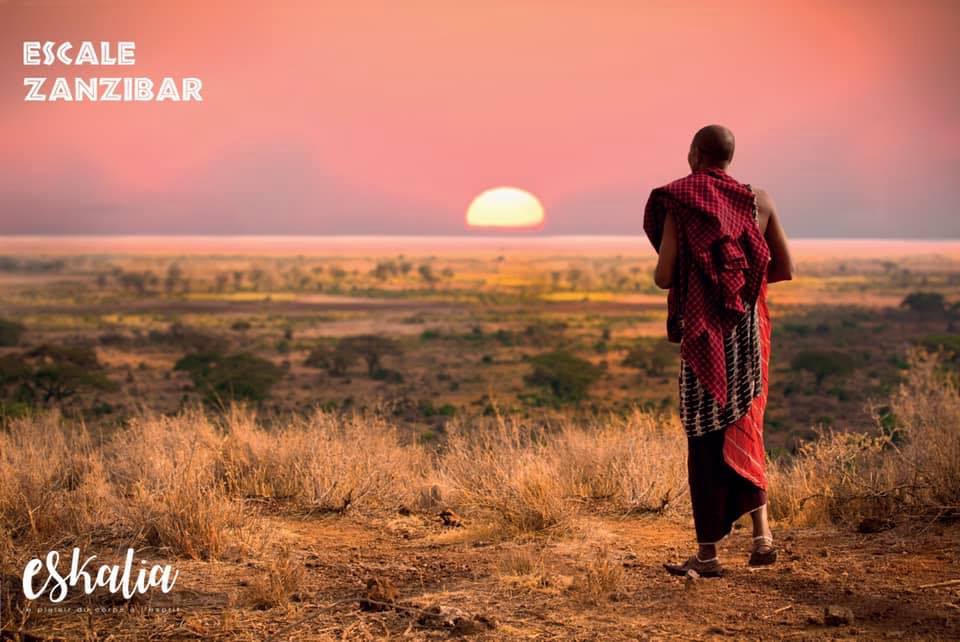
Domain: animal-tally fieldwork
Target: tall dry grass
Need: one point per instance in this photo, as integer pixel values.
(530, 478)
(193, 484)
(912, 463)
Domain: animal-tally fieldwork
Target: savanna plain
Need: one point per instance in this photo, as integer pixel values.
(424, 438)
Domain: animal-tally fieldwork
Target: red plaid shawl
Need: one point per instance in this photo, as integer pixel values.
(721, 266)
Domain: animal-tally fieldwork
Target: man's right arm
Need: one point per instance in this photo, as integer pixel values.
(781, 264)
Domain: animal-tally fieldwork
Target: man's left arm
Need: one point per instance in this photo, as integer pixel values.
(667, 259)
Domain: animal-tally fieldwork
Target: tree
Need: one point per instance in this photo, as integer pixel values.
(567, 376)
(54, 373)
(824, 363)
(652, 358)
(924, 302)
(238, 376)
(426, 273)
(172, 280)
(10, 332)
(370, 347)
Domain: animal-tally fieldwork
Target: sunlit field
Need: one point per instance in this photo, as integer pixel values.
(360, 438)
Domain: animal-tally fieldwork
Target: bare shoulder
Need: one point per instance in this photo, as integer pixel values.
(764, 200)
(765, 206)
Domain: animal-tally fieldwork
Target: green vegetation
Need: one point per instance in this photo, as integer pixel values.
(240, 376)
(10, 332)
(567, 376)
(824, 363)
(51, 373)
(653, 357)
(466, 331)
(924, 302)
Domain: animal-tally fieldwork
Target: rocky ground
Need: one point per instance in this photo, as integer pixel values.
(414, 577)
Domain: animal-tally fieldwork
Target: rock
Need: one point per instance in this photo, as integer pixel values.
(834, 615)
(404, 510)
(450, 519)
(380, 595)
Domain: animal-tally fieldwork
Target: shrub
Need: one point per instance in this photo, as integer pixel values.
(53, 373)
(238, 376)
(910, 466)
(567, 376)
(652, 357)
(188, 339)
(924, 302)
(320, 357)
(824, 363)
(10, 332)
(948, 343)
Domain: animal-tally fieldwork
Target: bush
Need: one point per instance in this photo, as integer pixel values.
(320, 357)
(653, 358)
(567, 376)
(924, 302)
(240, 376)
(369, 347)
(824, 363)
(52, 373)
(189, 339)
(910, 467)
(948, 343)
(390, 376)
(10, 332)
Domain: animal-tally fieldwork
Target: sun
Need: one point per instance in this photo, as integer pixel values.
(505, 208)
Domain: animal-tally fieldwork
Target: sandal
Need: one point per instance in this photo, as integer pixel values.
(703, 568)
(763, 553)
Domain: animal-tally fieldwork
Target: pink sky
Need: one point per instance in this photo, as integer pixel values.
(388, 117)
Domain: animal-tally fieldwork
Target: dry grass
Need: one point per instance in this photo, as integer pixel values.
(536, 478)
(193, 485)
(52, 481)
(281, 579)
(909, 465)
(323, 462)
(602, 577)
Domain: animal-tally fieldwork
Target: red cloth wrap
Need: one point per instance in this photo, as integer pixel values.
(722, 262)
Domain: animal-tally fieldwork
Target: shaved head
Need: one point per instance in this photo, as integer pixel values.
(713, 146)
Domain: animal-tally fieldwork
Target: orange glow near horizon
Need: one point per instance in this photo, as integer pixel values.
(505, 208)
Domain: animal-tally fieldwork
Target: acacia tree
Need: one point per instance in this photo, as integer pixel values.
(370, 347)
(54, 373)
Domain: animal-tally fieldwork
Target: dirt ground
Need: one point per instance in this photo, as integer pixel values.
(602, 580)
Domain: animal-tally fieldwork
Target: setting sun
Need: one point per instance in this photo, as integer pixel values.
(505, 207)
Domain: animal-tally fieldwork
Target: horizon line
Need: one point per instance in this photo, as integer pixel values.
(474, 236)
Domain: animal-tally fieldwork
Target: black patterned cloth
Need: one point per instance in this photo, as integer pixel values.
(699, 411)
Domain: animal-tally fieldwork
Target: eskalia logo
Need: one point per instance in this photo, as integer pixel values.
(100, 88)
(110, 576)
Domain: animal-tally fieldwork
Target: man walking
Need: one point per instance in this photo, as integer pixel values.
(720, 243)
